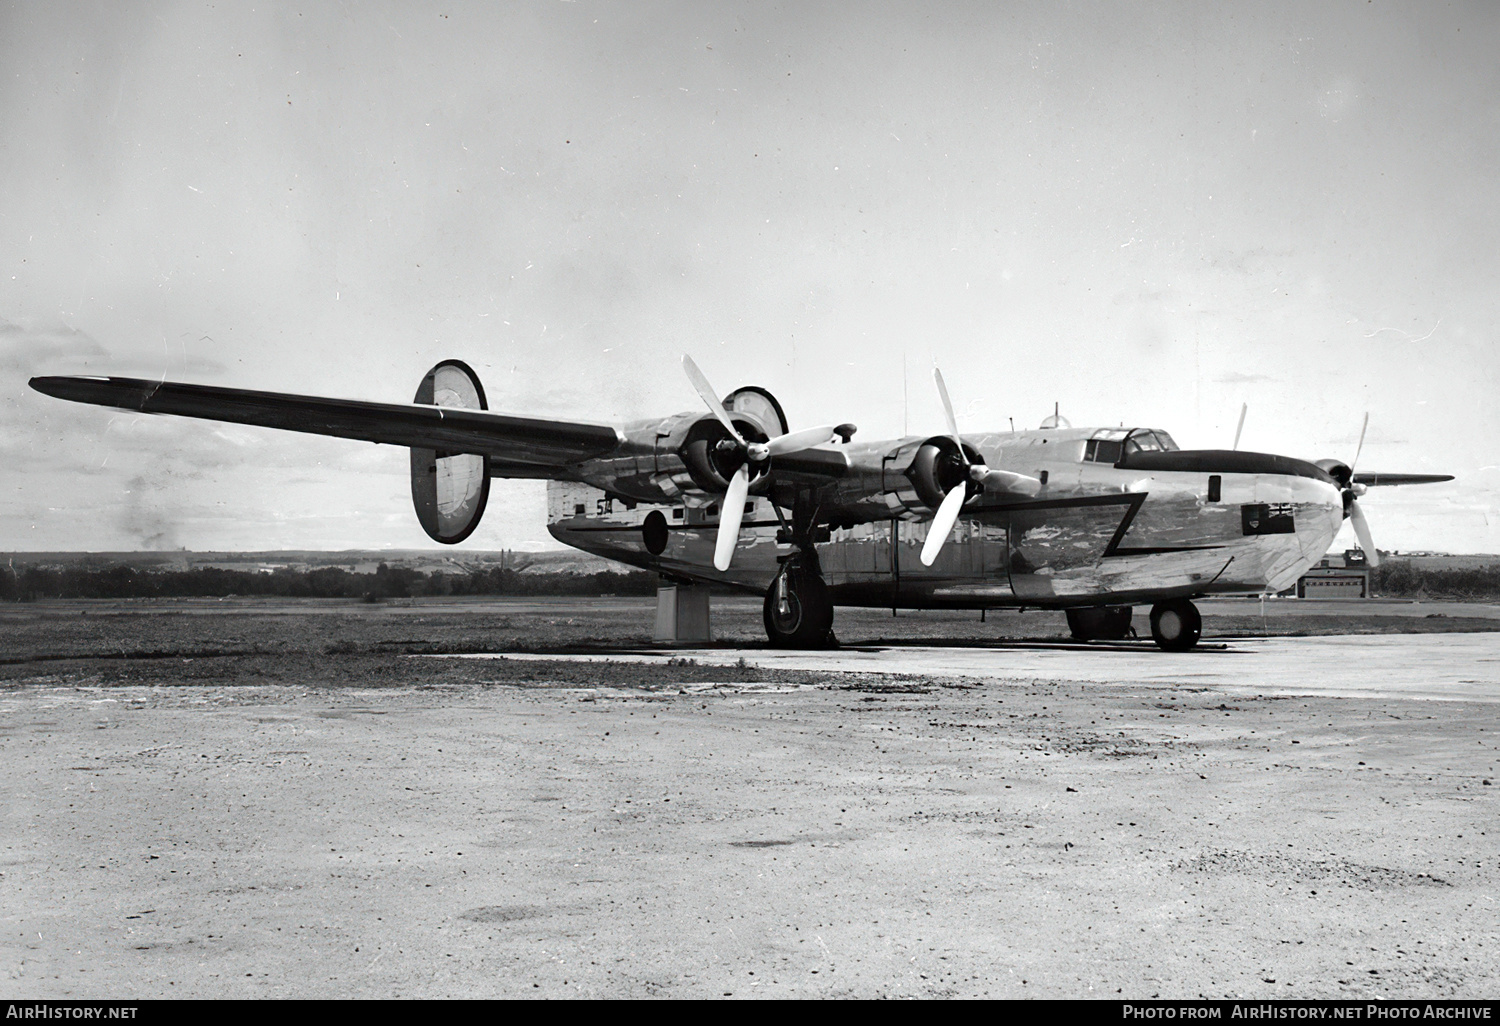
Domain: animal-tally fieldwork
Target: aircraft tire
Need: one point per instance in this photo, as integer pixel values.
(1100, 623)
(1176, 625)
(808, 621)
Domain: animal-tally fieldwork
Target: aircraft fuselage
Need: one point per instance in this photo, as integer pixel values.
(1146, 526)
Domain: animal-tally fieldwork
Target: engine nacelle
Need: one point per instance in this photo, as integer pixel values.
(922, 473)
(1343, 474)
(711, 456)
(1338, 470)
(704, 454)
(449, 490)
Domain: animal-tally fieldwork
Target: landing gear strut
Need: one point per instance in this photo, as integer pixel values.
(798, 612)
(1176, 625)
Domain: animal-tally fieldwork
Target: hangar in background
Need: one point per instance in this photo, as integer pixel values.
(1340, 576)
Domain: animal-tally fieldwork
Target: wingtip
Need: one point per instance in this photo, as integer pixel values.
(50, 384)
(94, 389)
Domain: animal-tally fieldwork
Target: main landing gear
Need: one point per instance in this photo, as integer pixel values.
(1176, 625)
(798, 612)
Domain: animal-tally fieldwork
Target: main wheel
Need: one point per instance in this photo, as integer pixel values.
(1100, 623)
(803, 617)
(1176, 625)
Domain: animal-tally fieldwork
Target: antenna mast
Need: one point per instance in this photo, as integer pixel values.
(904, 404)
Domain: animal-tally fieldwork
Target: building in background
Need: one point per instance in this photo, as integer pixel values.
(1341, 576)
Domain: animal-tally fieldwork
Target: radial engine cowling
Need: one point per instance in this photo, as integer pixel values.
(712, 456)
(922, 473)
(1343, 474)
(1338, 470)
(449, 490)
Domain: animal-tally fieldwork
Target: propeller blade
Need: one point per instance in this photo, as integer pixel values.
(1006, 482)
(942, 523)
(730, 515)
(709, 396)
(793, 441)
(1360, 448)
(1362, 532)
(937, 376)
(1244, 407)
(1373, 479)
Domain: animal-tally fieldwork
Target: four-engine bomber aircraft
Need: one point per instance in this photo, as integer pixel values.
(1092, 521)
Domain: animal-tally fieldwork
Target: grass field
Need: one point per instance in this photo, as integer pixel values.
(319, 642)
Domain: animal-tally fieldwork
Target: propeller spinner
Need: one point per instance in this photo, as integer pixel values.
(732, 510)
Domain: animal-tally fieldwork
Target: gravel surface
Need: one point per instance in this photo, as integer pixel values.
(325, 816)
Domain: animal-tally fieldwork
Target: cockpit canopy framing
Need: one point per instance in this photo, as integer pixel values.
(1111, 445)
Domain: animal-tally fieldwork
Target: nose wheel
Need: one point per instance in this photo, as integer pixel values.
(1176, 625)
(798, 612)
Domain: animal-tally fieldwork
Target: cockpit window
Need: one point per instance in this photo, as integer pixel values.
(1149, 441)
(1110, 444)
(1102, 450)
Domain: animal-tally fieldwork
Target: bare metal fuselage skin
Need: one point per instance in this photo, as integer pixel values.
(1182, 524)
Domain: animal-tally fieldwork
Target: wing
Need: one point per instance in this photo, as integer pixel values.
(526, 446)
(1400, 479)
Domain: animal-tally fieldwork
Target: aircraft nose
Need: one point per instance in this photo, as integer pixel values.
(1331, 498)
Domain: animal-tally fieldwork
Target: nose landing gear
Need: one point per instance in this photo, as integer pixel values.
(1176, 625)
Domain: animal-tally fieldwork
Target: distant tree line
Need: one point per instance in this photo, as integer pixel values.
(1393, 578)
(1396, 578)
(29, 583)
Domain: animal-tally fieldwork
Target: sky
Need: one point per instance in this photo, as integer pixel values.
(1148, 213)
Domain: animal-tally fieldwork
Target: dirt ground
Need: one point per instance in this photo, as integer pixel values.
(240, 801)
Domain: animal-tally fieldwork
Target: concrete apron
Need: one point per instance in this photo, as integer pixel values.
(1452, 667)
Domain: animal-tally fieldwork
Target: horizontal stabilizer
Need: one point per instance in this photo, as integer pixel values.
(508, 440)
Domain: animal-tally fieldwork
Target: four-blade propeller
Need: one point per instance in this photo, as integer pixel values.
(1001, 481)
(732, 511)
